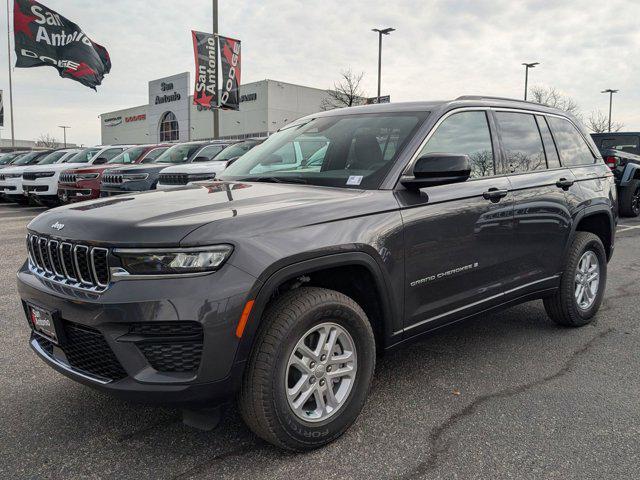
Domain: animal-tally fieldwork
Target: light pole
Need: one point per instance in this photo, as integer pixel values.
(527, 66)
(610, 92)
(64, 129)
(216, 112)
(381, 32)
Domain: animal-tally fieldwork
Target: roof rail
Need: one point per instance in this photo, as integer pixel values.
(486, 97)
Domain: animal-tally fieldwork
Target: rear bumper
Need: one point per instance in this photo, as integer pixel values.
(161, 341)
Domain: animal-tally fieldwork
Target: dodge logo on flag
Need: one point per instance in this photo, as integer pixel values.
(44, 37)
(230, 57)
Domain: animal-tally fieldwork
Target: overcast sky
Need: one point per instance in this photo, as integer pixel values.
(441, 49)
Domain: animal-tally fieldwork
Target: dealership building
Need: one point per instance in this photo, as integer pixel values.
(171, 116)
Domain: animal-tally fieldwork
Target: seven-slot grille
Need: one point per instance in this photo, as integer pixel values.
(174, 178)
(68, 177)
(115, 178)
(73, 264)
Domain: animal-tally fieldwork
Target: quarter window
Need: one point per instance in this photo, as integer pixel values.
(465, 133)
(572, 147)
(521, 142)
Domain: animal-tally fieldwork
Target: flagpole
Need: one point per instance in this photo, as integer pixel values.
(13, 138)
(216, 112)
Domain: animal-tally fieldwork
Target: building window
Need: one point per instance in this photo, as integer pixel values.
(169, 128)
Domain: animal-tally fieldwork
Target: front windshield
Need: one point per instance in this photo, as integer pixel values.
(83, 156)
(179, 153)
(53, 157)
(235, 150)
(8, 158)
(129, 156)
(349, 151)
(26, 160)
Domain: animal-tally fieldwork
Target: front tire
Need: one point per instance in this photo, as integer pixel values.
(582, 284)
(630, 199)
(310, 371)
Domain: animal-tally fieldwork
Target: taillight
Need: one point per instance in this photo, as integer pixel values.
(612, 162)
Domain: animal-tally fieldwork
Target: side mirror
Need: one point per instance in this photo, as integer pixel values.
(201, 159)
(438, 169)
(100, 161)
(232, 160)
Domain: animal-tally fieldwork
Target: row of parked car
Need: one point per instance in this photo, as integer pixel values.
(54, 177)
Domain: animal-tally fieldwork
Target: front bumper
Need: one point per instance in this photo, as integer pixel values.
(163, 341)
(69, 193)
(47, 187)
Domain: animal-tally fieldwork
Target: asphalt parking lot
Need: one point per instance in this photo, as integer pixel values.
(509, 395)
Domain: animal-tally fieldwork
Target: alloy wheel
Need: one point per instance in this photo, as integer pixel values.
(587, 280)
(321, 372)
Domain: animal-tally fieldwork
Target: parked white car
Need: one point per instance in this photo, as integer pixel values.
(41, 181)
(191, 173)
(11, 177)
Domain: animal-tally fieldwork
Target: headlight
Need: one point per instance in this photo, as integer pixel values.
(198, 177)
(173, 261)
(12, 175)
(87, 176)
(129, 177)
(44, 174)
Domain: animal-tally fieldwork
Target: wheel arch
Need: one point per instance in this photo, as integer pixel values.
(599, 221)
(380, 311)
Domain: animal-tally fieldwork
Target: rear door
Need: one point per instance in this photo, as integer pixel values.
(540, 185)
(457, 236)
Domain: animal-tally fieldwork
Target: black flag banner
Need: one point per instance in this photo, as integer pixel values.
(46, 38)
(230, 59)
(206, 89)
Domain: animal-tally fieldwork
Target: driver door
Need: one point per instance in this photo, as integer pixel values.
(457, 236)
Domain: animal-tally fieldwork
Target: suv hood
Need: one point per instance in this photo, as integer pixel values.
(200, 167)
(226, 210)
(143, 168)
(54, 167)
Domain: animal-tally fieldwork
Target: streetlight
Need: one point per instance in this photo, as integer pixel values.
(610, 92)
(381, 32)
(527, 66)
(64, 129)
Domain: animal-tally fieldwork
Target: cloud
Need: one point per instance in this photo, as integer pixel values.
(441, 49)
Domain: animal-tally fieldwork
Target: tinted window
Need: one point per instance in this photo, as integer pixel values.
(465, 133)
(353, 157)
(521, 142)
(626, 143)
(209, 152)
(128, 156)
(153, 155)
(549, 147)
(572, 147)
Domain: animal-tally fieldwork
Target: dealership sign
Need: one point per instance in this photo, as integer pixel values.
(43, 37)
(205, 49)
(136, 118)
(112, 121)
(206, 86)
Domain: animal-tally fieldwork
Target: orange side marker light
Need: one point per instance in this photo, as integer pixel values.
(243, 319)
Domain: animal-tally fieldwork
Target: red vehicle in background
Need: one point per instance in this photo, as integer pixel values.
(79, 184)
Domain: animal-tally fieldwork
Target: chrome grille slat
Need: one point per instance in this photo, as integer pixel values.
(75, 265)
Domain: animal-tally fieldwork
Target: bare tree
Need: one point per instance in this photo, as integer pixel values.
(47, 141)
(345, 93)
(598, 122)
(551, 97)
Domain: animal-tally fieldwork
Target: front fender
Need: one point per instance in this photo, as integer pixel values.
(265, 287)
(631, 172)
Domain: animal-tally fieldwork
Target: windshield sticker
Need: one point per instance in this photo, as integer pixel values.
(354, 180)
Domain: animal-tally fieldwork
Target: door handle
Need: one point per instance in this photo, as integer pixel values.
(565, 183)
(495, 194)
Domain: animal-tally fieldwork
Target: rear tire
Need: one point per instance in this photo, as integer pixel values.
(280, 374)
(629, 201)
(582, 284)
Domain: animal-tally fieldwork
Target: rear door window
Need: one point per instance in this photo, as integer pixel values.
(553, 161)
(465, 133)
(572, 147)
(521, 142)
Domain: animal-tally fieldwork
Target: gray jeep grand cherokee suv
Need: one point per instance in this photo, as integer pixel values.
(280, 283)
